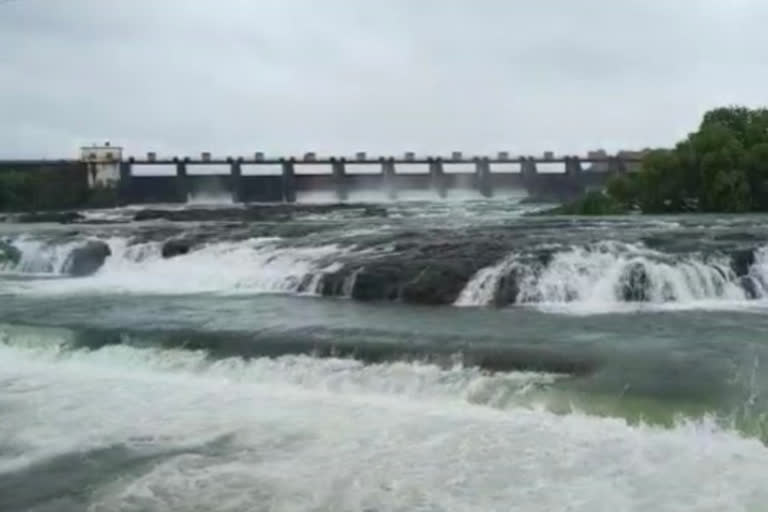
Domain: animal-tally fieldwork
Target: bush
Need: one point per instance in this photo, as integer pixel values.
(593, 203)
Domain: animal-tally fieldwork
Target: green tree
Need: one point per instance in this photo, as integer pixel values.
(735, 119)
(730, 192)
(623, 188)
(661, 183)
(719, 153)
(757, 175)
(747, 125)
(723, 166)
(43, 189)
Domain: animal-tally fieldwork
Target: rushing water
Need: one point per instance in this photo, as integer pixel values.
(408, 356)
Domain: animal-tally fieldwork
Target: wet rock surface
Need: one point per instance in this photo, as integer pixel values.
(87, 259)
(263, 213)
(49, 217)
(742, 260)
(383, 255)
(177, 247)
(9, 254)
(635, 283)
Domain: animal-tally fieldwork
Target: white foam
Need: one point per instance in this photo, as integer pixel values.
(381, 196)
(586, 280)
(250, 266)
(482, 288)
(211, 198)
(758, 272)
(586, 275)
(108, 215)
(353, 445)
(40, 257)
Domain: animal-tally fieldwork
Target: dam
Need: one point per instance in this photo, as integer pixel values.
(261, 178)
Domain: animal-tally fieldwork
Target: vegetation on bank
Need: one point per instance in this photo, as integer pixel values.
(593, 203)
(721, 167)
(50, 189)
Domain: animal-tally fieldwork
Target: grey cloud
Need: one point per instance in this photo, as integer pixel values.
(235, 76)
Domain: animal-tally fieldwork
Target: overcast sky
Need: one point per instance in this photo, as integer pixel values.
(334, 76)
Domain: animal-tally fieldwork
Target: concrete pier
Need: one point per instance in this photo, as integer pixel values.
(437, 173)
(338, 169)
(388, 171)
(235, 182)
(124, 187)
(573, 166)
(528, 168)
(289, 181)
(483, 177)
(182, 186)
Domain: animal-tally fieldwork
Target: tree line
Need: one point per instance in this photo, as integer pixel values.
(721, 167)
(50, 188)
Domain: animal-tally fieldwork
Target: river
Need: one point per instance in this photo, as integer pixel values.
(415, 355)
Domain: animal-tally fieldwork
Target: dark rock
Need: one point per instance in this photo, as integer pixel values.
(742, 260)
(508, 288)
(738, 236)
(635, 283)
(176, 247)
(9, 253)
(655, 241)
(103, 222)
(431, 267)
(200, 215)
(437, 284)
(544, 256)
(673, 242)
(306, 284)
(332, 284)
(533, 359)
(379, 282)
(190, 215)
(289, 230)
(750, 287)
(423, 280)
(254, 213)
(375, 211)
(87, 259)
(59, 217)
(145, 234)
(150, 215)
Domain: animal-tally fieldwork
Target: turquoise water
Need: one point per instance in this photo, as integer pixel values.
(591, 364)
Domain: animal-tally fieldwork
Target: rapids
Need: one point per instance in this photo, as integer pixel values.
(456, 355)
